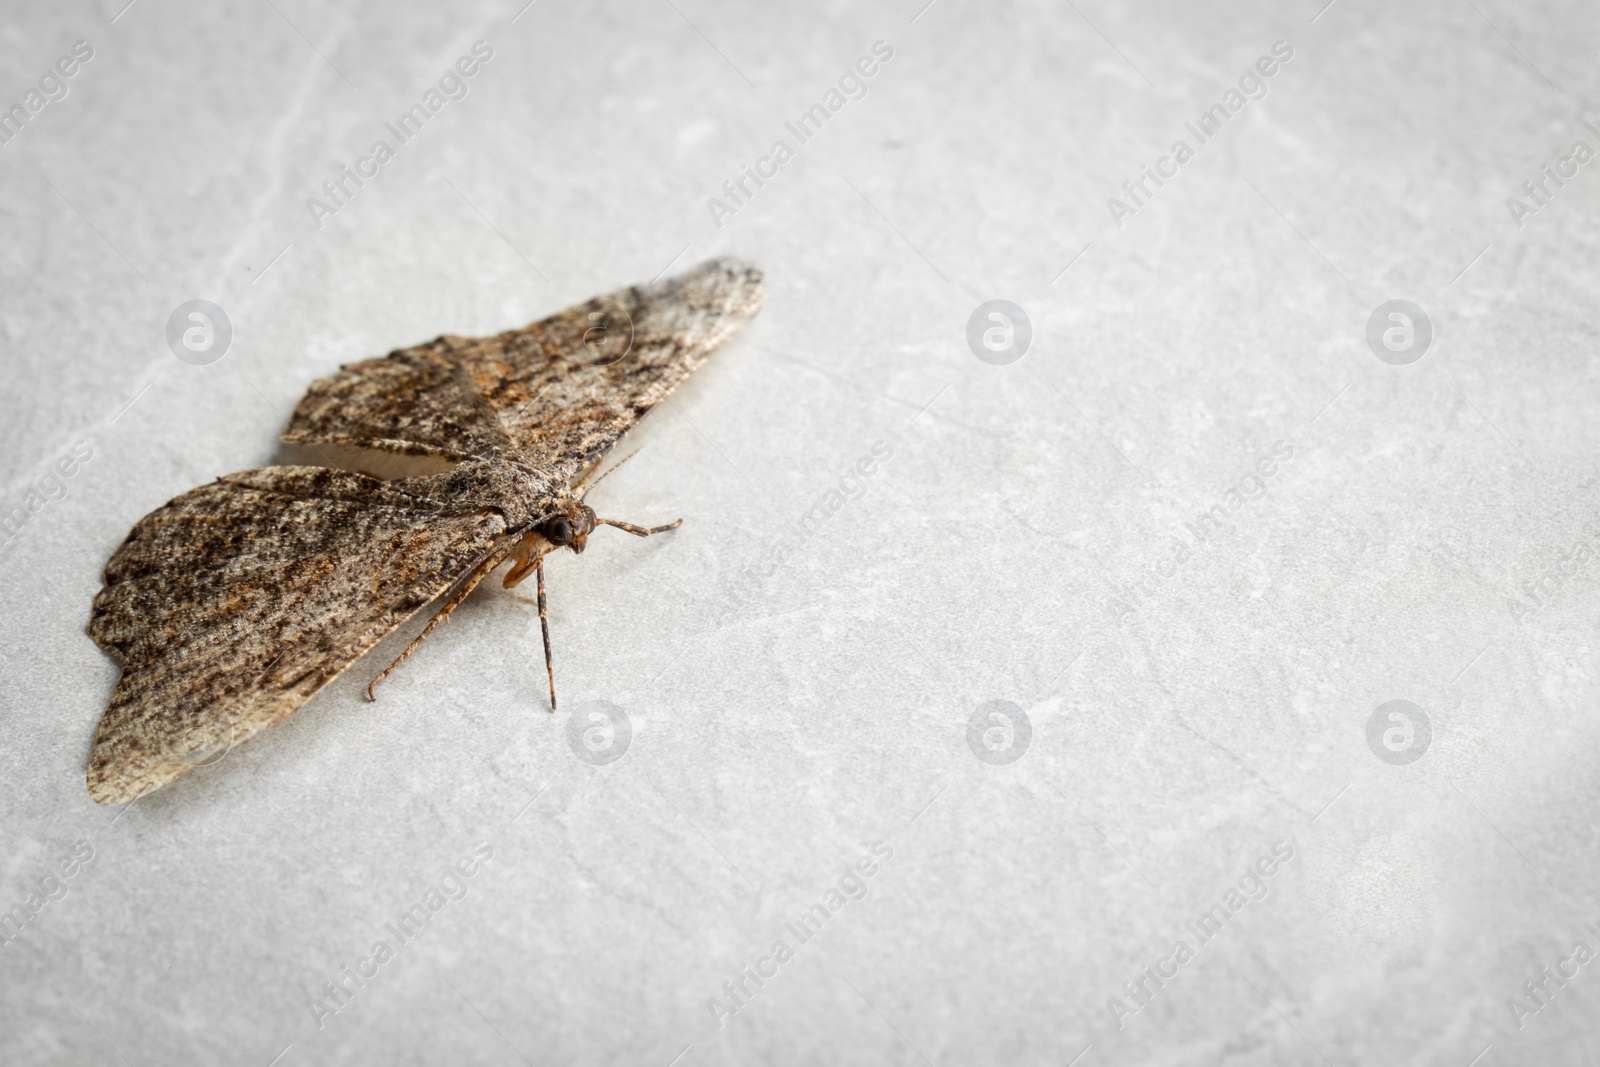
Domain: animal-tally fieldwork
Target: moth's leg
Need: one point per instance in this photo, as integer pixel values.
(519, 565)
(468, 584)
(522, 567)
(640, 531)
(578, 487)
(517, 574)
(524, 561)
(544, 628)
(594, 468)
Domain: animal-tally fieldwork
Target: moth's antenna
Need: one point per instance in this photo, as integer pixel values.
(615, 467)
(640, 531)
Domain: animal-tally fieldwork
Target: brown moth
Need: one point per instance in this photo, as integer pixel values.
(231, 605)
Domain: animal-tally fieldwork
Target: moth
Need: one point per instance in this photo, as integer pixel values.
(231, 605)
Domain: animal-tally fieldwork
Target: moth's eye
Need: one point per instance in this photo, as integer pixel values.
(560, 531)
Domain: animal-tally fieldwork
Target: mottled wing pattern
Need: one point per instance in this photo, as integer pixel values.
(416, 401)
(234, 603)
(557, 394)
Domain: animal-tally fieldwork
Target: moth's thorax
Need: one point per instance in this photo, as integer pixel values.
(523, 495)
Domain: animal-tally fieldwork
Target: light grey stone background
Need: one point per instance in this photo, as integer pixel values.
(1431, 538)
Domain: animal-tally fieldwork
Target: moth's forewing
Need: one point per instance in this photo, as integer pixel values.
(556, 393)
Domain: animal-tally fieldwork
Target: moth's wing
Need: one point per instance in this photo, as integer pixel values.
(234, 603)
(558, 393)
(417, 401)
(566, 404)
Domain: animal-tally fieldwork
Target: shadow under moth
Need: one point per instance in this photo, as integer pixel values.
(231, 605)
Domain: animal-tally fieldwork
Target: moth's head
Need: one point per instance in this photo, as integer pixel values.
(570, 526)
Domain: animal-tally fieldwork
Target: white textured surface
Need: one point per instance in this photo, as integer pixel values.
(1172, 745)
